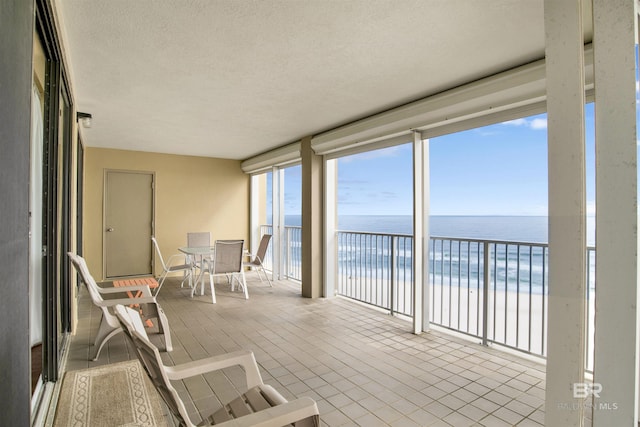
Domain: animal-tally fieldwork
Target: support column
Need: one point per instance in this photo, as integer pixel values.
(567, 212)
(277, 216)
(330, 227)
(312, 220)
(420, 234)
(254, 210)
(616, 316)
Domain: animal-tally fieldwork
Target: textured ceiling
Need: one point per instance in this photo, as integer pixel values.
(234, 78)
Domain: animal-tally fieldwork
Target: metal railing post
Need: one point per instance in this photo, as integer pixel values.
(288, 261)
(485, 294)
(394, 268)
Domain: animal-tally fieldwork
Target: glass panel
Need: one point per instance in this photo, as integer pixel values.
(375, 191)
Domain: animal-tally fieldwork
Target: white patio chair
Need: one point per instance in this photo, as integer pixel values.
(261, 405)
(109, 325)
(198, 240)
(227, 262)
(170, 267)
(258, 258)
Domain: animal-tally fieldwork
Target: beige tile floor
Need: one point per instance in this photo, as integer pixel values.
(363, 367)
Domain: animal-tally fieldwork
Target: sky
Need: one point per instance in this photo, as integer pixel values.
(494, 170)
(499, 169)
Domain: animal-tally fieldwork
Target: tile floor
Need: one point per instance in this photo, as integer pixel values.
(363, 367)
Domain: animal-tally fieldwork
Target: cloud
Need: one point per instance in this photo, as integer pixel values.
(291, 196)
(374, 154)
(516, 122)
(535, 124)
(346, 182)
(348, 199)
(382, 195)
(539, 123)
(483, 132)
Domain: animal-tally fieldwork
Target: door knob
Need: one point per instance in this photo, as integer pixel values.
(110, 229)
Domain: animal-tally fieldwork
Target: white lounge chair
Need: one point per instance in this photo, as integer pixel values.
(261, 405)
(109, 325)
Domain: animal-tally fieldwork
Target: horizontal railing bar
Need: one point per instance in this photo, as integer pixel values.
(372, 233)
(499, 242)
(455, 239)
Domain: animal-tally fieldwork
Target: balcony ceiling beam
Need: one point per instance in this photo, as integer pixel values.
(505, 96)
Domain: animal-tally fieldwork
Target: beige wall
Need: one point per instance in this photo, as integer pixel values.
(191, 194)
(262, 199)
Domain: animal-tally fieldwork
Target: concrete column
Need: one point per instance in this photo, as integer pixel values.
(567, 212)
(312, 221)
(330, 227)
(616, 316)
(420, 233)
(255, 211)
(277, 217)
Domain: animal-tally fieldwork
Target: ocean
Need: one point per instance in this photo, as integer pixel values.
(511, 265)
(532, 229)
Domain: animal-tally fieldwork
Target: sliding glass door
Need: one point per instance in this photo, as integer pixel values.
(51, 275)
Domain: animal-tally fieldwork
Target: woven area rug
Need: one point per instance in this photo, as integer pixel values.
(119, 394)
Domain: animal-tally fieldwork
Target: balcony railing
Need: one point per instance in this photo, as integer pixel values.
(292, 251)
(376, 269)
(496, 291)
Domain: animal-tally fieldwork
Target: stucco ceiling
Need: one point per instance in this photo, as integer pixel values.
(234, 78)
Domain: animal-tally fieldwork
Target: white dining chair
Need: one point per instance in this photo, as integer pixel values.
(257, 260)
(172, 265)
(227, 261)
(197, 240)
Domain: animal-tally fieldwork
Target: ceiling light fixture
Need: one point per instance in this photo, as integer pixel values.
(84, 118)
